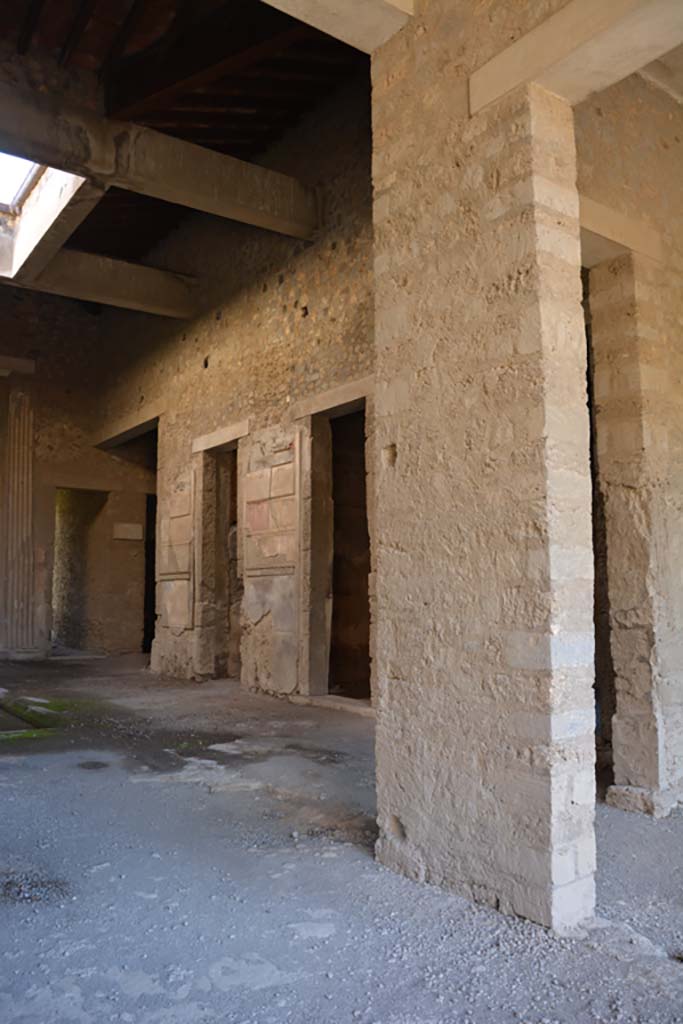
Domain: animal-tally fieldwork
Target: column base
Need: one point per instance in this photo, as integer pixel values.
(30, 654)
(657, 802)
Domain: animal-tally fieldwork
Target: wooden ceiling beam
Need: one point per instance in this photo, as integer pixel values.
(195, 119)
(260, 87)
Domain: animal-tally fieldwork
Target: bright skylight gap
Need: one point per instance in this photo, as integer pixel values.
(15, 175)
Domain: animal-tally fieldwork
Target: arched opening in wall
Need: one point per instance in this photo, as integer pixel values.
(605, 683)
(340, 555)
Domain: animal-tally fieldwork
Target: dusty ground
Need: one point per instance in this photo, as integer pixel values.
(185, 854)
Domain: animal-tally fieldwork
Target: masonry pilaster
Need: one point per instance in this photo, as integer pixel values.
(483, 642)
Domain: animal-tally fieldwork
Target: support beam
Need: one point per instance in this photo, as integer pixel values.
(113, 153)
(12, 364)
(82, 275)
(583, 48)
(606, 233)
(667, 74)
(365, 24)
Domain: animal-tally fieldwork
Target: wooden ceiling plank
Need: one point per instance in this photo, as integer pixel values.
(29, 25)
(226, 42)
(78, 27)
(122, 37)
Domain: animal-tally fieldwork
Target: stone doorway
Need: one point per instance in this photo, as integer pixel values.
(340, 556)
(229, 586)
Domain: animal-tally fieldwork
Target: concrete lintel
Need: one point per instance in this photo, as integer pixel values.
(221, 438)
(129, 427)
(92, 278)
(75, 477)
(128, 156)
(667, 73)
(335, 398)
(606, 233)
(10, 364)
(41, 250)
(582, 48)
(365, 24)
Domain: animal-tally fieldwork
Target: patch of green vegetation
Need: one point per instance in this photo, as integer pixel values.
(33, 715)
(38, 715)
(63, 704)
(49, 713)
(26, 734)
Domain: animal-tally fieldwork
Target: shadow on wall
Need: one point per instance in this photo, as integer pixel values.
(76, 514)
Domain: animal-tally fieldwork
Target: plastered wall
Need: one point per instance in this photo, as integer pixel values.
(283, 320)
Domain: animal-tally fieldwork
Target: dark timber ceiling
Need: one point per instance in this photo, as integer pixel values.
(232, 76)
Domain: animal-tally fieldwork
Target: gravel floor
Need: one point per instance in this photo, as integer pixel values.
(188, 854)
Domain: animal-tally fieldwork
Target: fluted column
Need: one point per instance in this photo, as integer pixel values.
(19, 519)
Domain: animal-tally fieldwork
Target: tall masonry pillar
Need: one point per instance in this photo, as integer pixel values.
(482, 595)
(635, 306)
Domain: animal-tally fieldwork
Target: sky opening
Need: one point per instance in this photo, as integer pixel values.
(14, 171)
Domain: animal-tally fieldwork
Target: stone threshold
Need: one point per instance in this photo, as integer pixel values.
(356, 707)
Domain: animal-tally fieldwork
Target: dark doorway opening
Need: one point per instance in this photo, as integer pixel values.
(150, 573)
(140, 447)
(349, 666)
(229, 585)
